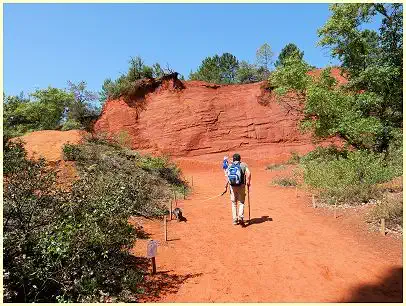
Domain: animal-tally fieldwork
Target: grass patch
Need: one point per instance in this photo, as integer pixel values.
(390, 207)
(347, 177)
(285, 181)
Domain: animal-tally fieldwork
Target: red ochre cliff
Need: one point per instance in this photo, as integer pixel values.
(206, 119)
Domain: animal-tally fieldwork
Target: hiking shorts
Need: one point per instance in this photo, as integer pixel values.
(237, 193)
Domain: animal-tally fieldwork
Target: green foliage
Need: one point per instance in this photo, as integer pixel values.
(71, 124)
(290, 50)
(43, 112)
(324, 154)
(217, 69)
(70, 152)
(247, 73)
(126, 85)
(291, 76)
(75, 246)
(294, 158)
(81, 110)
(347, 176)
(390, 208)
(373, 60)
(285, 182)
(264, 56)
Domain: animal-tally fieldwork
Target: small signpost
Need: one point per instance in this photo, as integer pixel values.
(151, 253)
(174, 195)
(314, 201)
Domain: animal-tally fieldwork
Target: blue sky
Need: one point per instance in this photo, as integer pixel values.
(49, 44)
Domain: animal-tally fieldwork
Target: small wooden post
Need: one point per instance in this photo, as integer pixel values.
(383, 226)
(165, 229)
(174, 195)
(184, 192)
(153, 266)
(313, 201)
(335, 210)
(170, 210)
(296, 191)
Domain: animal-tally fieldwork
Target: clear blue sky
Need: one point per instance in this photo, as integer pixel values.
(49, 44)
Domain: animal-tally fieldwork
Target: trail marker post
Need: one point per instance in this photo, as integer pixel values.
(151, 253)
(335, 210)
(249, 206)
(313, 201)
(383, 226)
(165, 229)
(170, 210)
(174, 195)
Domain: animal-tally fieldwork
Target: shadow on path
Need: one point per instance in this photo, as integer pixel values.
(258, 220)
(389, 290)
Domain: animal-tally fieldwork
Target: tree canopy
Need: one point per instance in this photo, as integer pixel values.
(288, 51)
(217, 69)
(368, 111)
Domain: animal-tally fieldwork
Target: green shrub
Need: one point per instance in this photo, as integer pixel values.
(275, 167)
(347, 179)
(294, 158)
(390, 208)
(71, 124)
(70, 152)
(75, 246)
(324, 154)
(286, 181)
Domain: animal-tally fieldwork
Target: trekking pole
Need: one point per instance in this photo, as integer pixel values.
(249, 206)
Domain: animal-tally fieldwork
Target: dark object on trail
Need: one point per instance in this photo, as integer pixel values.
(178, 214)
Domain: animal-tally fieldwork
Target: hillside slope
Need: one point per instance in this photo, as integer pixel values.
(204, 118)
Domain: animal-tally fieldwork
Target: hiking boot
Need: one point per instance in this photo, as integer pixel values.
(235, 222)
(241, 221)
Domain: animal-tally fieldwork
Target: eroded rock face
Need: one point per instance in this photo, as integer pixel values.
(204, 119)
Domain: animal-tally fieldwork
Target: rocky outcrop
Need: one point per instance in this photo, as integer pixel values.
(202, 118)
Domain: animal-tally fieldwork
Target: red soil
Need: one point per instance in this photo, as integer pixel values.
(203, 119)
(290, 253)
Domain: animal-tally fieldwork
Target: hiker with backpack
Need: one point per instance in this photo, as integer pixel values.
(238, 176)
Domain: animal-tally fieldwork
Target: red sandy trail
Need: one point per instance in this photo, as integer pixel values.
(290, 253)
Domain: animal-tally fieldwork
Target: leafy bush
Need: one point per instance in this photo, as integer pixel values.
(75, 246)
(70, 152)
(286, 181)
(390, 207)
(347, 176)
(294, 158)
(71, 124)
(324, 154)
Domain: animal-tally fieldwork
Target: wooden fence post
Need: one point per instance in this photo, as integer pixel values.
(383, 226)
(165, 229)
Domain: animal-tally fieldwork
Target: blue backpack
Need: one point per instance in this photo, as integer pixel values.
(235, 175)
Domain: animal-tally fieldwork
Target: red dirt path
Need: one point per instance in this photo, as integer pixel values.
(291, 252)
